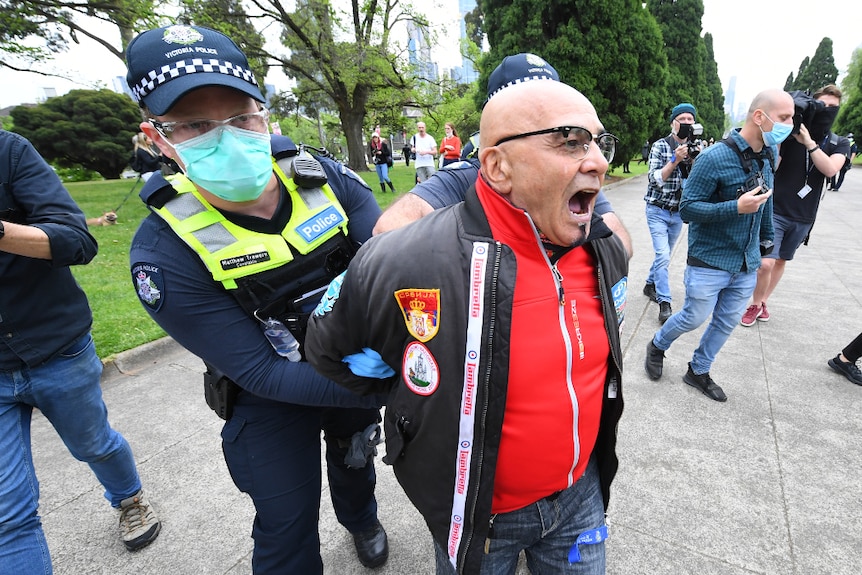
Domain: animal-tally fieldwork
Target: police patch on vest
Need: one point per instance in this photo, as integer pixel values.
(419, 369)
(319, 224)
(421, 310)
(244, 260)
(149, 284)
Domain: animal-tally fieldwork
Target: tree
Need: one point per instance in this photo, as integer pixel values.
(817, 72)
(609, 50)
(58, 22)
(693, 72)
(88, 128)
(348, 64)
(850, 115)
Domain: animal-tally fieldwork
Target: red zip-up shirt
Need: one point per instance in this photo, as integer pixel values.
(557, 363)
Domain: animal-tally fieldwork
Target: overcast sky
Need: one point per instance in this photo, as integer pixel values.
(758, 41)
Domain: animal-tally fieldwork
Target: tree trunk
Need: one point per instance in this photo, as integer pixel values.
(351, 124)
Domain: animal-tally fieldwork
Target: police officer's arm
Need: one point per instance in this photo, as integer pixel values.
(406, 209)
(52, 226)
(205, 319)
(826, 164)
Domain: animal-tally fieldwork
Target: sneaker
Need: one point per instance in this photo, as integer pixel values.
(704, 383)
(664, 311)
(751, 315)
(847, 369)
(139, 525)
(654, 362)
(764, 314)
(649, 291)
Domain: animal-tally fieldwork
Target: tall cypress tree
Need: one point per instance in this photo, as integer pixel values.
(610, 50)
(691, 64)
(817, 72)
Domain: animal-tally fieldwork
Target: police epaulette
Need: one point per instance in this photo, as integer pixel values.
(162, 196)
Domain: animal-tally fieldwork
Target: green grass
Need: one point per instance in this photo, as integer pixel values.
(119, 320)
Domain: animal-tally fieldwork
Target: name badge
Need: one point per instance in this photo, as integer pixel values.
(804, 191)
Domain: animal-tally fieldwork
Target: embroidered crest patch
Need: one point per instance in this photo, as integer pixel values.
(421, 310)
(419, 369)
(149, 284)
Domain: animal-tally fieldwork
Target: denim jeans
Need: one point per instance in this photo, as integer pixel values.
(708, 291)
(67, 391)
(545, 531)
(382, 172)
(664, 228)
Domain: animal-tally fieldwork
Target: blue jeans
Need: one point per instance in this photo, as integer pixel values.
(67, 391)
(664, 228)
(545, 531)
(708, 291)
(382, 172)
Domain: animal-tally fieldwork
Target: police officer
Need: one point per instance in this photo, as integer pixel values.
(240, 242)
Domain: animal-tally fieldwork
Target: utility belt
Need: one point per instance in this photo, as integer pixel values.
(220, 392)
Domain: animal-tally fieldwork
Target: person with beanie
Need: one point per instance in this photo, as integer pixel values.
(669, 165)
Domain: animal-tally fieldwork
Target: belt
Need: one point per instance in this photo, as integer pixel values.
(671, 210)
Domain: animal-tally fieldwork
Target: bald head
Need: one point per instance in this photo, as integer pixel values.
(769, 100)
(528, 107)
(537, 152)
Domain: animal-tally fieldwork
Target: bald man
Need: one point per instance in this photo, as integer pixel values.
(493, 325)
(727, 201)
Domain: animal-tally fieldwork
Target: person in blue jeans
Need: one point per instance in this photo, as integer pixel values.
(727, 202)
(48, 360)
(669, 165)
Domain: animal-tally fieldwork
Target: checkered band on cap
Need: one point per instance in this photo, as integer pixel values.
(155, 78)
(520, 81)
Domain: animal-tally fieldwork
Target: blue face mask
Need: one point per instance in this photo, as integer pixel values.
(231, 163)
(778, 133)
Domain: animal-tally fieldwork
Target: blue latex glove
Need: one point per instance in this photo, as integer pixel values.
(368, 364)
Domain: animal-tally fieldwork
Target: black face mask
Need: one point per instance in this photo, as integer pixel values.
(684, 132)
(822, 123)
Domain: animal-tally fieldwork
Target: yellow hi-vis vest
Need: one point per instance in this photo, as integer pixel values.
(230, 251)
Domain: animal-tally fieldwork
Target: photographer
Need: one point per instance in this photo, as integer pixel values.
(727, 204)
(813, 154)
(669, 164)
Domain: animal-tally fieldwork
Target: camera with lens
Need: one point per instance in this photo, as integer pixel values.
(752, 182)
(695, 143)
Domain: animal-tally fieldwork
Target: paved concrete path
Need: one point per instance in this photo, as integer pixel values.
(766, 483)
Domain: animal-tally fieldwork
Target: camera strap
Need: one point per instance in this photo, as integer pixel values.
(746, 157)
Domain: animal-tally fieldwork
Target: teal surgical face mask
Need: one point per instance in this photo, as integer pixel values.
(231, 163)
(778, 133)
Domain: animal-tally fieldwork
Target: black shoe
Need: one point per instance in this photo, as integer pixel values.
(654, 361)
(847, 369)
(704, 383)
(372, 546)
(664, 311)
(649, 291)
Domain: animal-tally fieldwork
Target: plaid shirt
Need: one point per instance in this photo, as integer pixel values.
(661, 193)
(718, 235)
